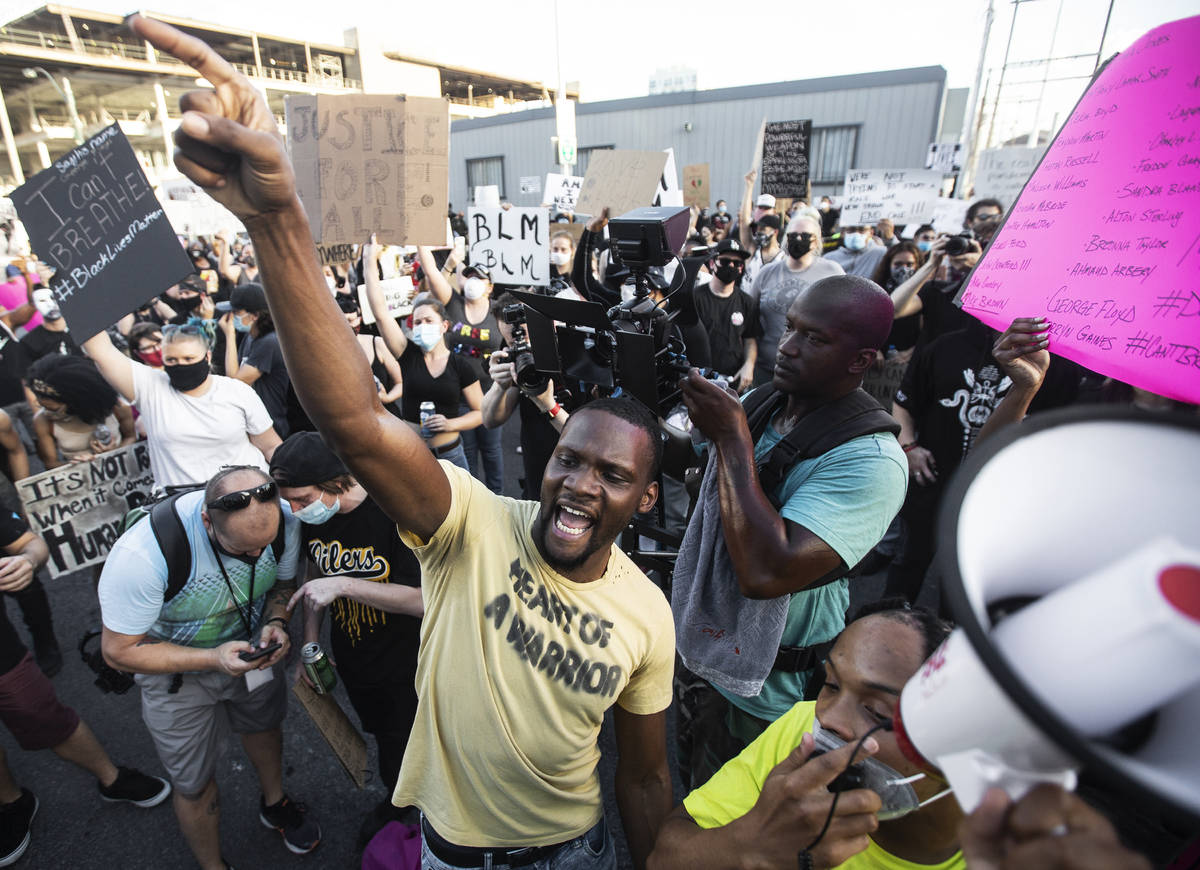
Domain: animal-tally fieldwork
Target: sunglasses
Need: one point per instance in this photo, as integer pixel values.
(730, 262)
(236, 501)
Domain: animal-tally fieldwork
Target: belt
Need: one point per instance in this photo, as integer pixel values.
(468, 856)
(446, 448)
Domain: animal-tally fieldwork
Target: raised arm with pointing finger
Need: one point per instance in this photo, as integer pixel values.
(228, 143)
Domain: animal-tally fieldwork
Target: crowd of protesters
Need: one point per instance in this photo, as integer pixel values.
(317, 456)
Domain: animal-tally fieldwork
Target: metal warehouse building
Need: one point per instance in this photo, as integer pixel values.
(865, 121)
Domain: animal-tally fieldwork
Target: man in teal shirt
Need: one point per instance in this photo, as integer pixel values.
(832, 508)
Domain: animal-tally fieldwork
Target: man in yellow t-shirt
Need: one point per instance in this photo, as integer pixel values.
(769, 803)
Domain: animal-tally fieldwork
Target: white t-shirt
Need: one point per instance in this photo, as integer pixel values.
(191, 437)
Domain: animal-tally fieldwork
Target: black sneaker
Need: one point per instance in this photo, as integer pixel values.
(16, 821)
(134, 787)
(301, 834)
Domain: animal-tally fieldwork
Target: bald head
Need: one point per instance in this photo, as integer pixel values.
(858, 307)
(250, 529)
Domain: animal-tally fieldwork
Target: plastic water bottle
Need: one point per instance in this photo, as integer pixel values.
(102, 434)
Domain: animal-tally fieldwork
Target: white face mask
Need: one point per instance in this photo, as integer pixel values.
(46, 304)
(473, 288)
(559, 258)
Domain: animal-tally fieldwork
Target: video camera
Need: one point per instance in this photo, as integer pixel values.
(624, 349)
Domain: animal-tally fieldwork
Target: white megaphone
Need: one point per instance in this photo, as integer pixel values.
(1090, 515)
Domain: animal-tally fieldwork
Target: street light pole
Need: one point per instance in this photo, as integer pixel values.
(65, 92)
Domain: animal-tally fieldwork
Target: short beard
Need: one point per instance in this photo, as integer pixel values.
(541, 530)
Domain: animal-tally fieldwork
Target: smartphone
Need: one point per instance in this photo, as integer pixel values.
(256, 654)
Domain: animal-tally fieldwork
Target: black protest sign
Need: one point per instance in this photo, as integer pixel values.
(78, 509)
(93, 217)
(785, 158)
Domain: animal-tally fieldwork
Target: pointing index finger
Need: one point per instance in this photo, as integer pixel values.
(196, 53)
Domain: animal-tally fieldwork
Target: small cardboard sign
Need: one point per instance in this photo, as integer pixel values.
(93, 216)
(78, 509)
(513, 243)
(371, 163)
(620, 181)
(695, 185)
(397, 292)
(562, 191)
(339, 732)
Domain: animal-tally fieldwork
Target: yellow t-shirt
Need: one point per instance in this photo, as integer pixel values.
(734, 789)
(517, 666)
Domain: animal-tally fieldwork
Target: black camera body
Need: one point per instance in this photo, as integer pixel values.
(958, 245)
(520, 352)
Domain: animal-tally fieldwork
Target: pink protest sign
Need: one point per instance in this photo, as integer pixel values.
(1104, 241)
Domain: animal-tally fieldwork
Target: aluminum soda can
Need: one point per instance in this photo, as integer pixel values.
(427, 410)
(318, 668)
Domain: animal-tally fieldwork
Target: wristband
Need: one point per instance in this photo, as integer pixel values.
(909, 446)
(283, 623)
(554, 412)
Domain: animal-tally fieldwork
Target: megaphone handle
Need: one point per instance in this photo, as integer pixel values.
(971, 773)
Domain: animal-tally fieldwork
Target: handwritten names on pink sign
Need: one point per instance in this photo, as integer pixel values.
(1104, 241)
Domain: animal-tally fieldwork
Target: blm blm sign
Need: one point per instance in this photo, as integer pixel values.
(93, 217)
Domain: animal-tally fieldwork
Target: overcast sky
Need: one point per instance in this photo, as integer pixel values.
(614, 46)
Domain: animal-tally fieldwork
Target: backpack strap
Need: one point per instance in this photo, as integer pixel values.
(280, 543)
(173, 542)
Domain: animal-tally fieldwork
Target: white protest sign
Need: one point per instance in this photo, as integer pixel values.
(669, 192)
(531, 184)
(1003, 172)
(947, 215)
(562, 191)
(903, 195)
(944, 156)
(513, 243)
(192, 211)
(397, 292)
(487, 196)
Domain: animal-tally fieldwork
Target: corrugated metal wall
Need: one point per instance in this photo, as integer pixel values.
(897, 115)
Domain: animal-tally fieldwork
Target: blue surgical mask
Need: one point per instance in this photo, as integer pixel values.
(924, 246)
(240, 325)
(427, 335)
(317, 512)
(855, 241)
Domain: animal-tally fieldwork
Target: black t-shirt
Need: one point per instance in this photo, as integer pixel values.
(538, 440)
(11, 648)
(265, 355)
(14, 362)
(953, 384)
(369, 645)
(41, 342)
(729, 322)
(939, 314)
(475, 340)
(445, 391)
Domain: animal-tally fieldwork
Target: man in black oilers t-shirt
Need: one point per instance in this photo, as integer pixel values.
(729, 315)
(948, 393)
(369, 581)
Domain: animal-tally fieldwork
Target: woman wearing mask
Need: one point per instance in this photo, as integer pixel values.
(898, 265)
(145, 344)
(924, 237)
(261, 364)
(562, 255)
(431, 373)
(473, 332)
(196, 422)
(81, 415)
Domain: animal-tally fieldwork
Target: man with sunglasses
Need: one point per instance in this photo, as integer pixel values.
(202, 651)
(729, 314)
(536, 624)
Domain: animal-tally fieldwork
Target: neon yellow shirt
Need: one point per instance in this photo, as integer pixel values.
(734, 789)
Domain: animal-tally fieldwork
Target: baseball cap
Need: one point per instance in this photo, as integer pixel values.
(729, 246)
(304, 460)
(477, 269)
(248, 297)
(765, 200)
(768, 220)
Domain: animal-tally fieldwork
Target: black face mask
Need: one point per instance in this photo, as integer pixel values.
(187, 376)
(763, 240)
(726, 273)
(799, 245)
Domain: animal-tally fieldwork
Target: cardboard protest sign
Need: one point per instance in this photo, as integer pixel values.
(620, 180)
(368, 163)
(785, 158)
(514, 243)
(1104, 241)
(903, 195)
(94, 217)
(397, 292)
(191, 211)
(695, 185)
(1002, 172)
(339, 732)
(668, 192)
(562, 191)
(947, 215)
(78, 509)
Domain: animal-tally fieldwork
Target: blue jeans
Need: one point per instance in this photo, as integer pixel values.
(455, 456)
(485, 446)
(593, 850)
